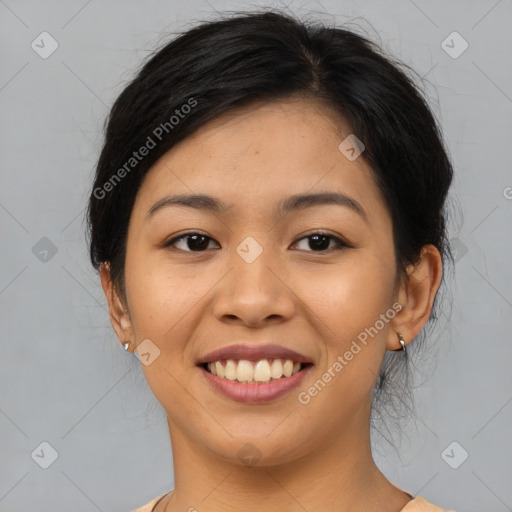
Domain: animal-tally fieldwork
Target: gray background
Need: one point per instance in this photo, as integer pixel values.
(66, 381)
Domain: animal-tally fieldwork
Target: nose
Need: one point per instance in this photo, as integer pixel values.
(254, 294)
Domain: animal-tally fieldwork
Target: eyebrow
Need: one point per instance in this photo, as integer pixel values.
(287, 205)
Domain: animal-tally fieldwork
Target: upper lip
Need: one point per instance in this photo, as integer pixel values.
(253, 353)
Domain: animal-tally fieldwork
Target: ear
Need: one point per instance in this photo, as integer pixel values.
(416, 293)
(119, 316)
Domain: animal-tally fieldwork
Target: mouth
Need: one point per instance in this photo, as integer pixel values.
(261, 371)
(254, 374)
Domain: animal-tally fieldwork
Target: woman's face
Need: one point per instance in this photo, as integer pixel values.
(257, 279)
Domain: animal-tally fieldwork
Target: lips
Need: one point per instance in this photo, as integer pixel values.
(255, 393)
(253, 353)
(277, 370)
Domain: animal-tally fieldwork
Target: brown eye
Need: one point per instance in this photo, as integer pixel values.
(321, 242)
(190, 242)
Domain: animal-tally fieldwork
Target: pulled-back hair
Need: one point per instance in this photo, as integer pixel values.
(225, 64)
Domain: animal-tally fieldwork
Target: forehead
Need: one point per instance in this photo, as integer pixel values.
(253, 156)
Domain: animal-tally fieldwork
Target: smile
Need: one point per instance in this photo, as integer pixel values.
(254, 381)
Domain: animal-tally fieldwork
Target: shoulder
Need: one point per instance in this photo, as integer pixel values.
(420, 504)
(148, 507)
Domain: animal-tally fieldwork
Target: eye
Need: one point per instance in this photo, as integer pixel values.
(321, 242)
(316, 242)
(190, 242)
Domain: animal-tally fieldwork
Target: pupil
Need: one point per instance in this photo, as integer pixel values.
(316, 245)
(197, 242)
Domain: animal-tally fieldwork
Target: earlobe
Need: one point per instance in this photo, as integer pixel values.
(119, 316)
(416, 294)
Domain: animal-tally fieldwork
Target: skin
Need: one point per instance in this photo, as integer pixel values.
(315, 456)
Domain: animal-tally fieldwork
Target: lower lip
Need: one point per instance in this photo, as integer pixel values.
(245, 392)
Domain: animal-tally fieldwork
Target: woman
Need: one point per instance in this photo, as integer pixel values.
(267, 219)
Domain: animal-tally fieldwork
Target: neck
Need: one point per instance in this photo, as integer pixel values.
(341, 476)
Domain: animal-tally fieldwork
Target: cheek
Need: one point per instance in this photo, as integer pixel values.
(351, 296)
(348, 306)
(160, 295)
(343, 386)
(166, 305)
(352, 306)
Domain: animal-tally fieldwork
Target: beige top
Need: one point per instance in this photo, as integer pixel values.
(418, 504)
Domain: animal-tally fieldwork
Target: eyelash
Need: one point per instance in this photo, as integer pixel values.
(340, 243)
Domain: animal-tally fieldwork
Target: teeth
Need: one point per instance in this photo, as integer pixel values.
(254, 371)
(230, 370)
(288, 368)
(262, 371)
(245, 371)
(276, 371)
(219, 369)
